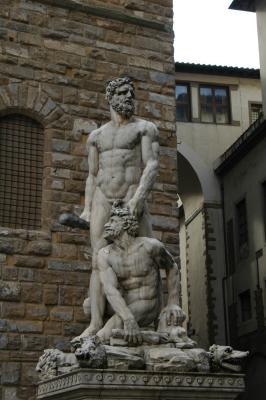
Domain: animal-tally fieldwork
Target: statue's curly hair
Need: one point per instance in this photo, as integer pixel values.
(130, 222)
(112, 85)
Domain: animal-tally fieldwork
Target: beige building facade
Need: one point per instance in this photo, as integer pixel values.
(261, 25)
(258, 6)
(214, 106)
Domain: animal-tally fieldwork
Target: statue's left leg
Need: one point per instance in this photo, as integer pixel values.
(99, 216)
(115, 322)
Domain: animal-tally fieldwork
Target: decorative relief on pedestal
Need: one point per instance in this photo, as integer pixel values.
(139, 379)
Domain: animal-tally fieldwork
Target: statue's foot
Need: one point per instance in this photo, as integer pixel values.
(90, 331)
(104, 335)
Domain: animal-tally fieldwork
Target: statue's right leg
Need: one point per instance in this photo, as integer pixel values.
(100, 214)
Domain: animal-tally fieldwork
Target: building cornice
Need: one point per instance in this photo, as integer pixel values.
(252, 136)
(106, 12)
(219, 70)
(243, 5)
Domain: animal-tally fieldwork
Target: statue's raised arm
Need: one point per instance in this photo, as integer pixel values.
(93, 163)
(150, 159)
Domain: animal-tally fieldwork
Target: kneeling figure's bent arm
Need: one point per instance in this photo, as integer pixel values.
(174, 314)
(110, 284)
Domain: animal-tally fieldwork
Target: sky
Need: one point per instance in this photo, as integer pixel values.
(207, 32)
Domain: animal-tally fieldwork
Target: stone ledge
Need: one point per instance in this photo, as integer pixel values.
(105, 12)
(114, 384)
(68, 265)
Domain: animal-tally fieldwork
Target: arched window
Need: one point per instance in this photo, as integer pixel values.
(21, 171)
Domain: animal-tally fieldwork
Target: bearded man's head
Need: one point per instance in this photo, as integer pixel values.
(120, 95)
(120, 220)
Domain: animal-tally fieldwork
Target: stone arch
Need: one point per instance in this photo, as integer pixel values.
(190, 238)
(193, 190)
(205, 174)
(29, 99)
(201, 245)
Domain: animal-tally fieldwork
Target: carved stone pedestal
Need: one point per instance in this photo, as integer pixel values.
(88, 384)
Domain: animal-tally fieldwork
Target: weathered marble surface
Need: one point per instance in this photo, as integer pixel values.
(55, 362)
(123, 163)
(141, 332)
(140, 350)
(90, 353)
(159, 357)
(226, 358)
(113, 385)
(176, 360)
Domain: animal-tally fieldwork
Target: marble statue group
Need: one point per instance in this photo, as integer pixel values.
(123, 164)
(133, 325)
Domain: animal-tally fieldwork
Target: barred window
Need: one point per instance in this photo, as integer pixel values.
(230, 246)
(21, 171)
(255, 110)
(245, 305)
(242, 224)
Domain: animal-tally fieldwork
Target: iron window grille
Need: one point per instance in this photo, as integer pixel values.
(230, 247)
(245, 305)
(21, 171)
(255, 110)
(242, 225)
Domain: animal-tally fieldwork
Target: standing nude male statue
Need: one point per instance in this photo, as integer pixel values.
(123, 164)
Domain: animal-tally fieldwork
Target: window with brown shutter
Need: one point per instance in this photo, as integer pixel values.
(214, 104)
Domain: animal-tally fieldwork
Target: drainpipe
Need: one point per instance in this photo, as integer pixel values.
(226, 272)
(259, 295)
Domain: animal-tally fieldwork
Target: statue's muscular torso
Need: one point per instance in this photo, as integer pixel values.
(120, 157)
(137, 272)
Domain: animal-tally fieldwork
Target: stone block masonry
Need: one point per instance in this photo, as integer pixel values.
(55, 57)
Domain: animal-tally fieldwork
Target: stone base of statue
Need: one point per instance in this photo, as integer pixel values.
(151, 371)
(92, 384)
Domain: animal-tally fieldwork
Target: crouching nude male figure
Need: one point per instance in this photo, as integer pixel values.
(129, 270)
(123, 164)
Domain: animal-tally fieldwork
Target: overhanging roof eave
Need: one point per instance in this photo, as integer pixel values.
(243, 5)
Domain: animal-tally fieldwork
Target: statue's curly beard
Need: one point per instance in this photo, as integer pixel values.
(125, 108)
(111, 234)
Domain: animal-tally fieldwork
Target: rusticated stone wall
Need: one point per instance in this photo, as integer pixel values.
(55, 56)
